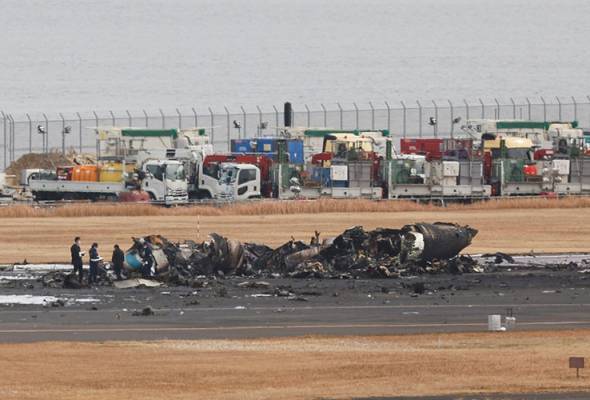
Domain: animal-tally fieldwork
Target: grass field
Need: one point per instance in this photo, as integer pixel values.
(295, 368)
(47, 239)
(274, 207)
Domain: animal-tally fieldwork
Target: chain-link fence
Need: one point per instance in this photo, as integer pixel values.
(39, 133)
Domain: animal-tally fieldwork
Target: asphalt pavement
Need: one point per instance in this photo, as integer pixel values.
(296, 307)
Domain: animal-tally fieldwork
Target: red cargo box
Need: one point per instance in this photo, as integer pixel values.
(431, 148)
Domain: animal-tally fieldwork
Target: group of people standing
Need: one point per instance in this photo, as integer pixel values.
(117, 260)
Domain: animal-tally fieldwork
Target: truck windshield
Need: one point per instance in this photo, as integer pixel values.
(228, 175)
(175, 172)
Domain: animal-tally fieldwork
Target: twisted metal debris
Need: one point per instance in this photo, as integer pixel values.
(380, 253)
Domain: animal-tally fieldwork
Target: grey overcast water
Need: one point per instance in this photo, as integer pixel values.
(73, 55)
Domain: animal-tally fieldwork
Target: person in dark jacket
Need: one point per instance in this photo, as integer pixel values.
(148, 260)
(77, 254)
(94, 260)
(118, 260)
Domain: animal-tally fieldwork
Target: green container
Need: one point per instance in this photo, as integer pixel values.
(513, 171)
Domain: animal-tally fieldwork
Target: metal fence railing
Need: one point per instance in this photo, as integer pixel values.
(29, 133)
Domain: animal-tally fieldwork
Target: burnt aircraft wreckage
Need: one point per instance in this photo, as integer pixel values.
(380, 253)
(356, 253)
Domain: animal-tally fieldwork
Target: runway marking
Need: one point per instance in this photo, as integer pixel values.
(280, 327)
(272, 308)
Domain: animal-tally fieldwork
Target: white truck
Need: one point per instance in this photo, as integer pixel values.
(163, 180)
(238, 182)
(191, 147)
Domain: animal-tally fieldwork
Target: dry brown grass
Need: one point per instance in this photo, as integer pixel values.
(510, 230)
(274, 207)
(295, 368)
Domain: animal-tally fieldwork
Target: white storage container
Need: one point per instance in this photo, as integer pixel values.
(450, 168)
(339, 172)
(494, 322)
(562, 167)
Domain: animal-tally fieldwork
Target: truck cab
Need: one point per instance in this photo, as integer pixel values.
(509, 165)
(342, 147)
(567, 138)
(165, 181)
(564, 138)
(238, 182)
(313, 139)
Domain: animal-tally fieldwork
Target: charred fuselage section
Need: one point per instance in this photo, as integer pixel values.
(383, 252)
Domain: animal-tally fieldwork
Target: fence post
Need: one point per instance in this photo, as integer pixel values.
(179, 118)
(212, 125)
(341, 115)
(228, 128)
(30, 133)
(11, 134)
(419, 118)
(4, 135)
(452, 118)
(435, 128)
(513, 108)
(388, 117)
(544, 109)
(558, 106)
(13, 137)
(308, 115)
(259, 130)
(325, 116)
(7, 139)
(243, 123)
(63, 134)
(79, 129)
(276, 120)
(195, 116)
(356, 110)
(129, 118)
(466, 109)
(575, 108)
(404, 119)
(588, 97)
(145, 115)
(46, 135)
(497, 108)
(372, 115)
(113, 118)
(163, 118)
(528, 102)
(483, 109)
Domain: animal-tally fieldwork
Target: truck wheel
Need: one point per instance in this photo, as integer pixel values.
(204, 194)
(69, 197)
